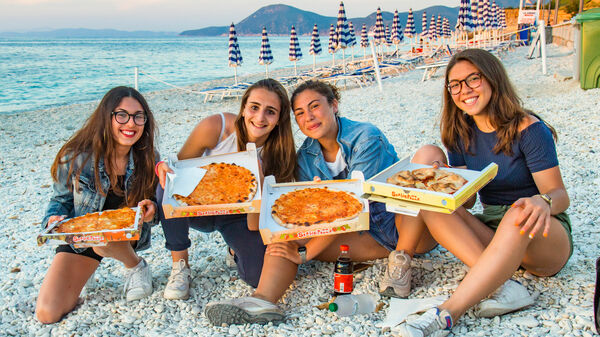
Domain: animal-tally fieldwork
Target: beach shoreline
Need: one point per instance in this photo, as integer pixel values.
(407, 111)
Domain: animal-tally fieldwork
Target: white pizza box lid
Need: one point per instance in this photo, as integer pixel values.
(271, 231)
(93, 238)
(187, 171)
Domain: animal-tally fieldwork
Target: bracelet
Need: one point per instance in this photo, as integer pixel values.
(156, 167)
(547, 199)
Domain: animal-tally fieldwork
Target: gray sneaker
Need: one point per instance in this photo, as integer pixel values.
(511, 296)
(243, 310)
(433, 323)
(138, 283)
(397, 277)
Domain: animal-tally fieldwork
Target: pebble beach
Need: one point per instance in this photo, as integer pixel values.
(408, 113)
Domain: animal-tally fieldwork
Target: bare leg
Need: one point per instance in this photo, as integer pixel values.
(62, 285)
(502, 257)
(121, 251)
(177, 255)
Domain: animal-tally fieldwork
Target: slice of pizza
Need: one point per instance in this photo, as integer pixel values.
(93, 222)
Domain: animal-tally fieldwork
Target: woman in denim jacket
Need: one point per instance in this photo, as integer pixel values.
(335, 146)
(107, 164)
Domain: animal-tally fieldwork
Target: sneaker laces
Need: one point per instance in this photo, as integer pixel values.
(134, 278)
(429, 322)
(178, 274)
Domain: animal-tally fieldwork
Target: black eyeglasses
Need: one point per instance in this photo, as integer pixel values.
(122, 117)
(472, 81)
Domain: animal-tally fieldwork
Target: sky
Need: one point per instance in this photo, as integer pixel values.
(171, 15)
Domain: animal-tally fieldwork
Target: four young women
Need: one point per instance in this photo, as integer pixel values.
(483, 121)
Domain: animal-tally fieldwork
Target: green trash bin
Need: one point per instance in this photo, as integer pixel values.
(589, 71)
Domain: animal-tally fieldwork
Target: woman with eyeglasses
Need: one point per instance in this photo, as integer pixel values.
(523, 223)
(107, 164)
(263, 119)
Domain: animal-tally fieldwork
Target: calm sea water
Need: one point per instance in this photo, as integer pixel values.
(44, 73)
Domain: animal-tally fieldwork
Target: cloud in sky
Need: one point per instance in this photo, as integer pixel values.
(171, 15)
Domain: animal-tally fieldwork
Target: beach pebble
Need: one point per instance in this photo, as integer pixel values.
(527, 321)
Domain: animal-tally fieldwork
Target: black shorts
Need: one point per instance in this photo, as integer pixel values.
(89, 252)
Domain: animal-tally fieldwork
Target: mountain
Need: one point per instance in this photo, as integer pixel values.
(278, 19)
(86, 33)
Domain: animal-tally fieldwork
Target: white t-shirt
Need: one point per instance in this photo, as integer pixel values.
(338, 166)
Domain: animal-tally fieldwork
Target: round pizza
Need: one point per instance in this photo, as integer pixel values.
(311, 206)
(93, 222)
(222, 184)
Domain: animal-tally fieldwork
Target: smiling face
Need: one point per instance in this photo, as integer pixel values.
(125, 135)
(472, 101)
(314, 115)
(261, 115)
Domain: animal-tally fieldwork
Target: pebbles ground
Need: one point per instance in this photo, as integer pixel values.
(407, 111)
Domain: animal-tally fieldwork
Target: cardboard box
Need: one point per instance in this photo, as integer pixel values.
(410, 201)
(91, 239)
(247, 159)
(271, 231)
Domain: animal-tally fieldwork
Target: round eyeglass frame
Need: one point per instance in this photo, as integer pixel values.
(116, 114)
(466, 81)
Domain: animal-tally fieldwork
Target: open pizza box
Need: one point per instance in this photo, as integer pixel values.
(410, 201)
(271, 231)
(94, 238)
(247, 159)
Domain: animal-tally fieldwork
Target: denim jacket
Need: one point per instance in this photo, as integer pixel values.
(364, 148)
(83, 199)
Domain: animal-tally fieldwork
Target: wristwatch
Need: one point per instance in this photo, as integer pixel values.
(302, 252)
(547, 199)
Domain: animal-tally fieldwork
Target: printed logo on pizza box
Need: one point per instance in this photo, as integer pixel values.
(213, 212)
(322, 231)
(88, 237)
(405, 196)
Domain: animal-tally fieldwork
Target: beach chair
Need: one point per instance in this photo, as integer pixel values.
(431, 69)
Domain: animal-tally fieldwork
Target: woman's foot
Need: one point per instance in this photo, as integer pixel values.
(178, 286)
(511, 296)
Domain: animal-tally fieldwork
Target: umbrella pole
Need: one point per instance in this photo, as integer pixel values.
(235, 74)
(343, 60)
(295, 72)
(267, 71)
(314, 62)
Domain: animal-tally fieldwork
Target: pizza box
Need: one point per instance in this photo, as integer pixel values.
(409, 201)
(91, 239)
(271, 231)
(247, 159)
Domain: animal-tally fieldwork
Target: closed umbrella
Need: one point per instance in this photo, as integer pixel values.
(364, 39)
(295, 53)
(446, 27)
(409, 31)
(235, 56)
(424, 31)
(438, 26)
(352, 42)
(343, 33)
(265, 57)
(432, 28)
(397, 36)
(502, 18)
(379, 37)
(332, 43)
(315, 45)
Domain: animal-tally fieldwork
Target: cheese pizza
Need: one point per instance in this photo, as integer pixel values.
(310, 206)
(429, 178)
(222, 184)
(93, 222)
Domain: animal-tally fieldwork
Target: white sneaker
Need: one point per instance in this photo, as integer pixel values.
(397, 277)
(178, 286)
(243, 310)
(433, 322)
(138, 283)
(511, 296)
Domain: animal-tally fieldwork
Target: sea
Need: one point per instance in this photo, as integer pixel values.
(41, 73)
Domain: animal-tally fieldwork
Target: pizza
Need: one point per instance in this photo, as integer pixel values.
(93, 222)
(222, 184)
(429, 178)
(311, 206)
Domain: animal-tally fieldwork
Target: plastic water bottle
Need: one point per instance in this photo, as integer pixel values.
(347, 305)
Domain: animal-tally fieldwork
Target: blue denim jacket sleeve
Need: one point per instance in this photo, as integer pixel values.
(61, 202)
(371, 156)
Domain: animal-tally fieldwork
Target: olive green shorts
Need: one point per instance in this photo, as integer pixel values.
(492, 214)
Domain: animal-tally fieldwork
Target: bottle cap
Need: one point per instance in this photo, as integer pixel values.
(344, 248)
(333, 307)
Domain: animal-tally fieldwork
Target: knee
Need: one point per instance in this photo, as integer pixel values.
(45, 314)
(510, 221)
(427, 154)
(103, 251)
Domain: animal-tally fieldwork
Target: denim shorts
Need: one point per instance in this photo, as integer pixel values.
(382, 226)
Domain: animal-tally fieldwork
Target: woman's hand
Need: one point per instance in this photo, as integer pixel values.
(148, 209)
(287, 250)
(317, 179)
(54, 218)
(535, 215)
(162, 170)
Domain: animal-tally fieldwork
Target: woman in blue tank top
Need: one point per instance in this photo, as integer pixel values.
(523, 221)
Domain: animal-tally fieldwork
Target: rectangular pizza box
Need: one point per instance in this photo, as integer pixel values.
(271, 231)
(247, 159)
(91, 239)
(409, 201)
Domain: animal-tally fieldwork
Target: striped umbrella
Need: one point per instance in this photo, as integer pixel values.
(235, 56)
(397, 36)
(409, 31)
(502, 18)
(438, 26)
(352, 41)
(295, 52)
(424, 31)
(446, 27)
(480, 20)
(315, 45)
(474, 15)
(343, 33)
(364, 39)
(332, 42)
(265, 57)
(388, 37)
(486, 14)
(379, 29)
(495, 16)
(432, 29)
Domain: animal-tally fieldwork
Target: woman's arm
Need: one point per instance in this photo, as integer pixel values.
(61, 202)
(206, 136)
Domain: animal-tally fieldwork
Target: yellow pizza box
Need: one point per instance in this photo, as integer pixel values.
(271, 231)
(408, 200)
(247, 159)
(93, 238)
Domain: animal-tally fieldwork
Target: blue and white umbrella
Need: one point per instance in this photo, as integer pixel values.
(295, 53)
(410, 31)
(432, 28)
(502, 18)
(446, 27)
(480, 19)
(235, 56)
(424, 31)
(438, 26)
(495, 16)
(364, 39)
(486, 14)
(265, 57)
(388, 37)
(474, 15)
(352, 42)
(343, 33)
(397, 36)
(379, 37)
(315, 45)
(332, 43)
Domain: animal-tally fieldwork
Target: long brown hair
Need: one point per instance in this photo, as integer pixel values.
(505, 109)
(279, 151)
(94, 140)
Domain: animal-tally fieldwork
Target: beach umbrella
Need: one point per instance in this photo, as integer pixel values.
(446, 27)
(364, 39)
(432, 29)
(388, 37)
(379, 37)
(265, 57)
(397, 36)
(352, 41)
(315, 45)
(295, 53)
(409, 31)
(332, 43)
(424, 31)
(343, 33)
(438, 26)
(486, 14)
(502, 18)
(474, 15)
(235, 56)
(480, 20)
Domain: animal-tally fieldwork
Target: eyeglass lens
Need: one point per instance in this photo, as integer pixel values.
(122, 117)
(472, 81)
